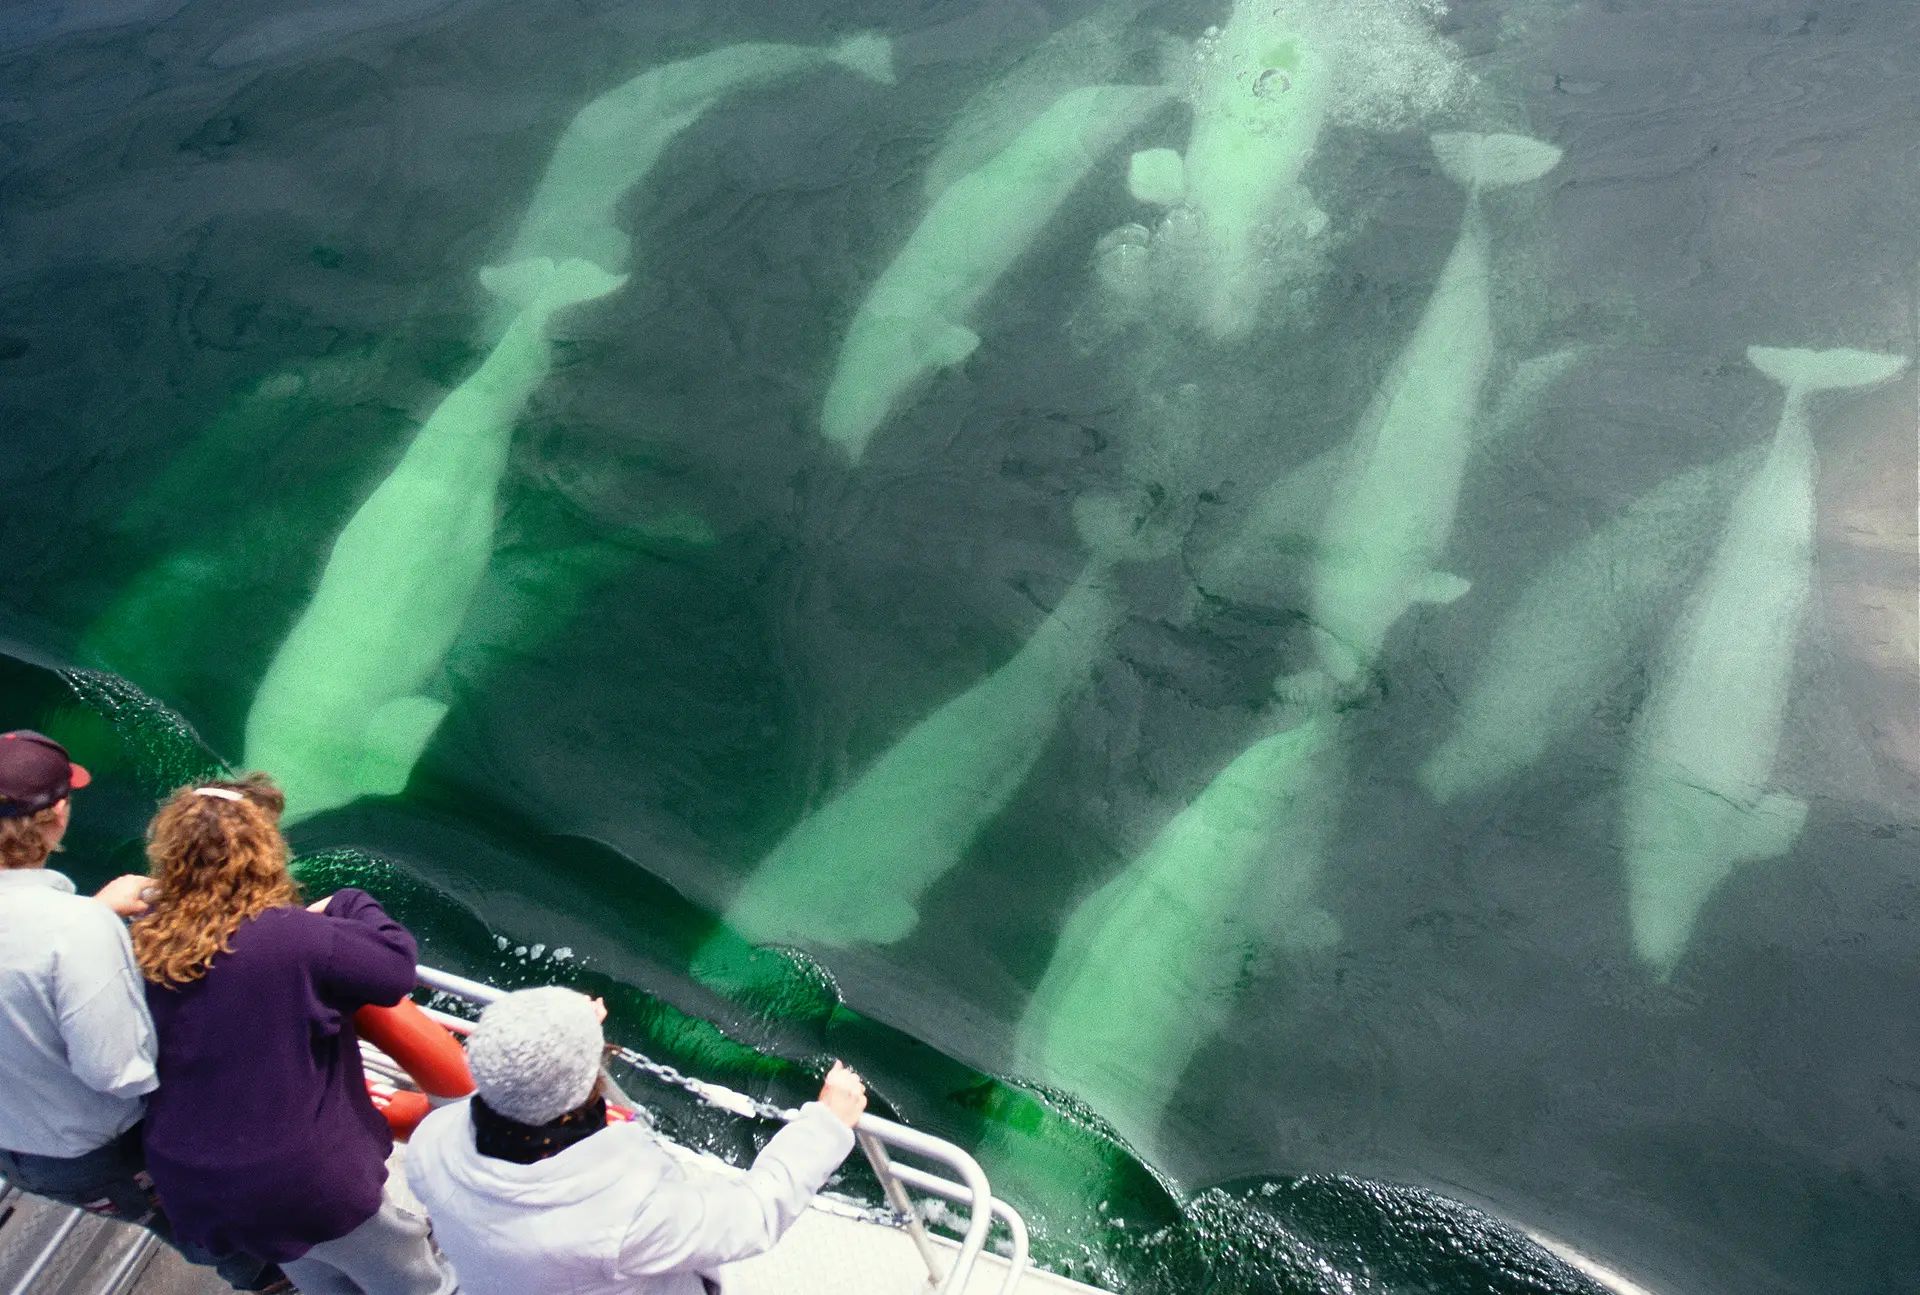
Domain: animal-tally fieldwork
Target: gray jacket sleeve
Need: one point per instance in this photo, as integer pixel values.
(102, 1002)
(699, 1221)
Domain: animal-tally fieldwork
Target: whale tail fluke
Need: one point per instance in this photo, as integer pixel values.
(1493, 161)
(869, 54)
(1803, 371)
(541, 283)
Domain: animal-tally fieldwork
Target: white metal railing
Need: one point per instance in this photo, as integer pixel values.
(873, 1134)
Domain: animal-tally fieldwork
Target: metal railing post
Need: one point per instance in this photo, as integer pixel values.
(883, 1169)
(934, 1184)
(978, 1195)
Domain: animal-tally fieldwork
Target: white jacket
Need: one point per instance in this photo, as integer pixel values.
(615, 1214)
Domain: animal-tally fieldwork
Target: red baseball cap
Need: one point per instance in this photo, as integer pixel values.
(35, 773)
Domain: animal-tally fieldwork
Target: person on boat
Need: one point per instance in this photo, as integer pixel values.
(261, 1137)
(76, 1043)
(532, 1192)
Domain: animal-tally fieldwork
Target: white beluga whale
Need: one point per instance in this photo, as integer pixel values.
(1148, 966)
(613, 142)
(1389, 523)
(854, 870)
(1571, 640)
(342, 711)
(918, 316)
(1095, 50)
(1263, 88)
(1240, 219)
(1257, 556)
(1696, 798)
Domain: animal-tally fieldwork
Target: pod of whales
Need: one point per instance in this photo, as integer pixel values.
(1150, 965)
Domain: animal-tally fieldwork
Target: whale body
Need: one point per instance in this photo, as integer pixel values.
(915, 319)
(1148, 966)
(1695, 799)
(1258, 110)
(1572, 637)
(1093, 50)
(854, 870)
(341, 713)
(1393, 514)
(613, 142)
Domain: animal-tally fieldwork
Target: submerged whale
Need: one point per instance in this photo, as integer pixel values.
(1094, 50)
(1259, 106)
(613, 142)
(1695, 800)
(916, 318)
(1148, 966)
(854, 870)
(341, 712)
(1574, 634)
(1393, 514)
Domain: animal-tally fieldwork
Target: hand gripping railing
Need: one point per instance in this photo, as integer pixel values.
(873, 1135)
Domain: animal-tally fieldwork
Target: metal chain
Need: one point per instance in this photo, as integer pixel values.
(715, 1095)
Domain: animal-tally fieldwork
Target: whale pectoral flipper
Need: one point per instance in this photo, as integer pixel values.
(1771, 828)
(393, 741)
(945, 345)
(1441, 587)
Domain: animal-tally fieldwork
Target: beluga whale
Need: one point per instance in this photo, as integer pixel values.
(918, 316)
(1385, 531)
(1262, 89)
(613, 142)
(855, 869)
(1696, 798)
(342, 712)
(1573, 638)
(1148, 967)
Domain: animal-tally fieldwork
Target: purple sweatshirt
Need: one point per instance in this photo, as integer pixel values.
(261, 1137)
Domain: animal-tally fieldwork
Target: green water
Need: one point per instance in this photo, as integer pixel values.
(1292, 613)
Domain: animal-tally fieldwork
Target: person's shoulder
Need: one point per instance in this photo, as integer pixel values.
(286, 928)
(65, 912)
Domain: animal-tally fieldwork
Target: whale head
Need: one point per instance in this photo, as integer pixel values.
(885, 357)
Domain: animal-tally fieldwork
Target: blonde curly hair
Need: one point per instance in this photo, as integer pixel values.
(216, 861)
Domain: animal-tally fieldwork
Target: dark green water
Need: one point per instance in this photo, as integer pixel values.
(238, 246)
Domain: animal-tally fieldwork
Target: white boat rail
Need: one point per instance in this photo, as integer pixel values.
(874, 1136)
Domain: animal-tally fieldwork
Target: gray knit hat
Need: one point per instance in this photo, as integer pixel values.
(536, 1053)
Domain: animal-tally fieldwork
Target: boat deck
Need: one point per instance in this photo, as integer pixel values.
(830, 1251)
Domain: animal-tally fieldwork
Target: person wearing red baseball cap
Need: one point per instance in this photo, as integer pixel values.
(76, 1042)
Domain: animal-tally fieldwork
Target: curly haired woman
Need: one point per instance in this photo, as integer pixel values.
(261, 1137)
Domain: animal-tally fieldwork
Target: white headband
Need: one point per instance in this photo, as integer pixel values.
(220, 792)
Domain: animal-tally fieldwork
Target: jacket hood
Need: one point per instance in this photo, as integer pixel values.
(443, 1147)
